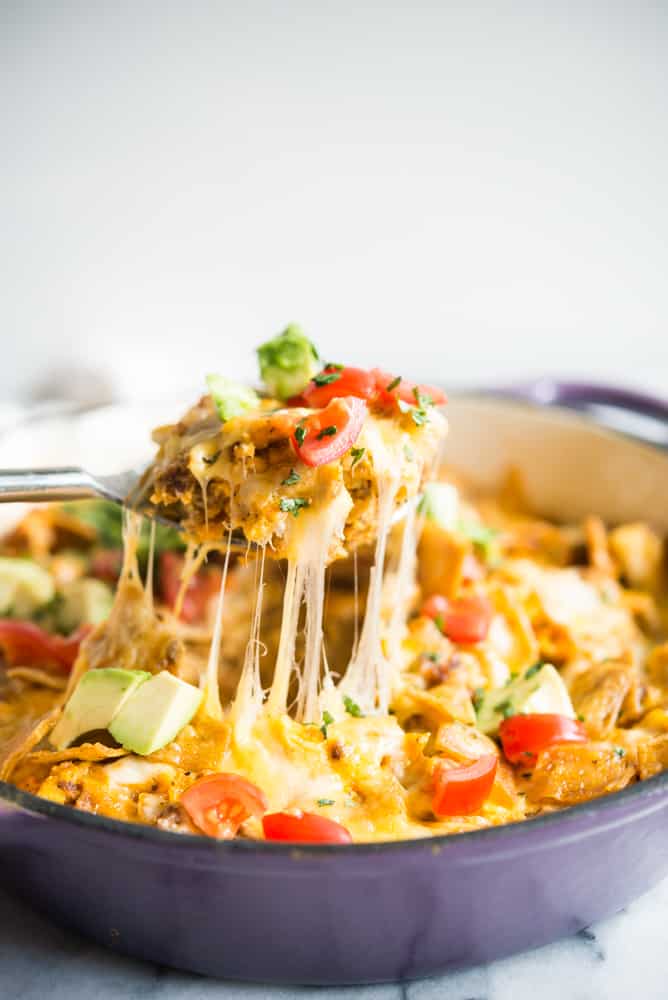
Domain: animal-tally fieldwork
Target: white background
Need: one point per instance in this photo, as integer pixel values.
(463, 190)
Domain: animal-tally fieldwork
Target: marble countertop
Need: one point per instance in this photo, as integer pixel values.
(620, 957)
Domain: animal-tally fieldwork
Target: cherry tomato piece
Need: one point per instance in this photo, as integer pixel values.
(436, 607)
(524, 736)
(466, 619)
(105, 564)
(388, 390)
(27, 645)
(326, 435)
(462, 790)
(219, 803)
(203, 586)
(304, 828)
(345, 382)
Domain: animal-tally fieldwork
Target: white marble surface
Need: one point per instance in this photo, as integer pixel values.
(622, 957)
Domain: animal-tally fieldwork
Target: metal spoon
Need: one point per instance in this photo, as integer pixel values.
(74, 483)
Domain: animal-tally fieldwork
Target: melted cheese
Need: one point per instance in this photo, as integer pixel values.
(313, 535)
(249, 696)
(369, 675)
(365, 680)
(258, 737)
(151, 561)
(211, 703)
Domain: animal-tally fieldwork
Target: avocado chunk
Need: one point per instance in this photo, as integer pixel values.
(84, 602)
(94, 702)
(288, 362)
(24, 587)
(539, 690)
(155, 713)
(230, 398)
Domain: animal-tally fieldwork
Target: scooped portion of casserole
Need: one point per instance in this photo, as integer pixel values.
(350, 675)
(255, 467)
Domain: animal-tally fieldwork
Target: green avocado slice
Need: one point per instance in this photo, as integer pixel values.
(155, 713)
(24, 586)
(84, 601)
(95, 701)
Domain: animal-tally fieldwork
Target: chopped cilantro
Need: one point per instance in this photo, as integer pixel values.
(352, 708)
(439, 623)
(290, 480)
(326, 378)
(434, 657)
(325, 802)
(327, 720)
(419, 411)
(533, 670)
(212, 460)
(620, 751)
(393, 384)
(580, 717)
(478, 697)
(357, 454)
(292, 505)
(506, 709)
(326, 432)
(420, 417)
(300, 433)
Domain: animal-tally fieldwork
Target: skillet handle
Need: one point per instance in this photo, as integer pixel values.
(636, 413)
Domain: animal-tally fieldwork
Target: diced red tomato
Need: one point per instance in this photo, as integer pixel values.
(405, 390)
(106, 564)
(296, 401)
(27, 645)
(326, 435)
(466, 620)
(304, 828)
(436, 607)
(201, 589)
(346, 382)
(524, 736)
(372, 386)
(462, 790)
(219, 803)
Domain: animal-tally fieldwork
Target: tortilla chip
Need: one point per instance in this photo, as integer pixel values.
(35, 675)
(25, 739)
(86, 751)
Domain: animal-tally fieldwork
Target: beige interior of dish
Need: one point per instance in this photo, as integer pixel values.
(569, 466)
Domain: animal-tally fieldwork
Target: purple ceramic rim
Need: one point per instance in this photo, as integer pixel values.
(546, 392)
(554, 392)
(497, 836)
(588, 399)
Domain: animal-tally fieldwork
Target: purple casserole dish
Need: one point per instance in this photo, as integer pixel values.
(369, 913)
